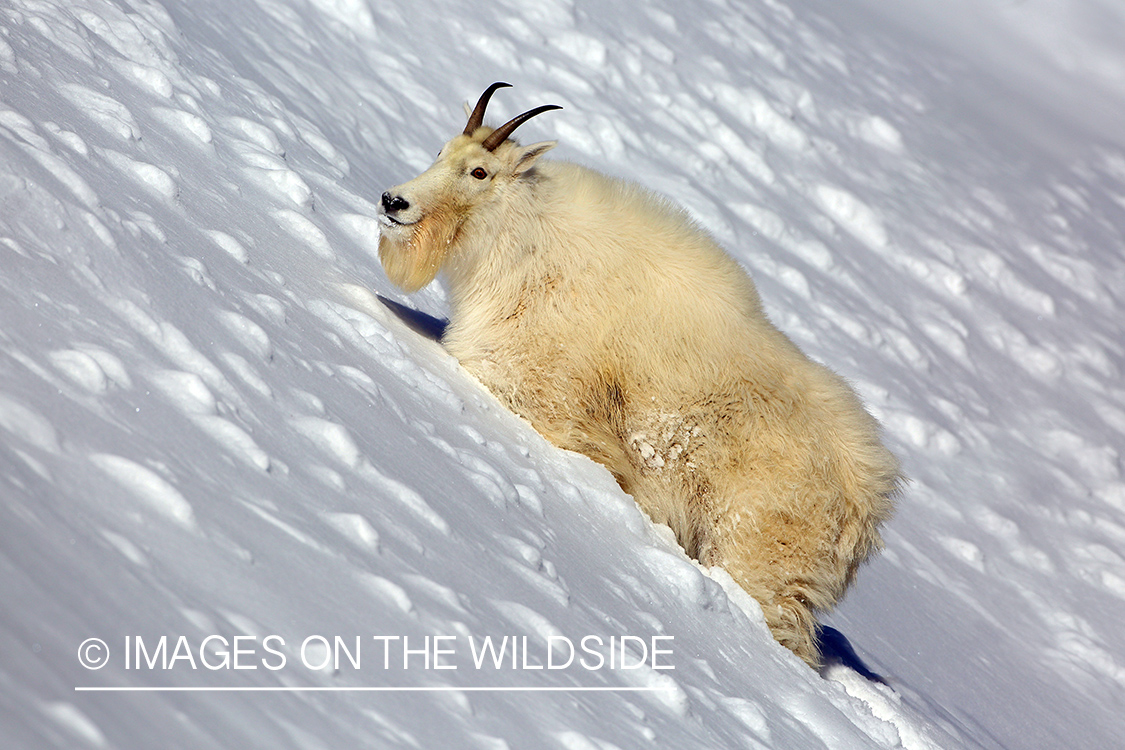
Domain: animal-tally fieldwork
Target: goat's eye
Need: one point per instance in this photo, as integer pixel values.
(479, 173)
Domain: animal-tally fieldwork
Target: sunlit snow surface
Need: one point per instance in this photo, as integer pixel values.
(210, 426)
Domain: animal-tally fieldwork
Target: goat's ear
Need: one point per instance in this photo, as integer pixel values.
(468, 109)
(528, 155)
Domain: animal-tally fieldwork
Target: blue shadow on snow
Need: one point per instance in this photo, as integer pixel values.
(416, 320)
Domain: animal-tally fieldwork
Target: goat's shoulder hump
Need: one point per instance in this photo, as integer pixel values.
(588, 187)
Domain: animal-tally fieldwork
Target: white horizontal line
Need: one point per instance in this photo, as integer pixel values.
(362, 689)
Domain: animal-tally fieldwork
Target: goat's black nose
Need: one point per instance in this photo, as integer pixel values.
(392, 203)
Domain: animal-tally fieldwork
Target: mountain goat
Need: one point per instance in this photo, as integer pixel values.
(620, 330)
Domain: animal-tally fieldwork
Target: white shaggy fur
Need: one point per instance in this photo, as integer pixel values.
(619, 329)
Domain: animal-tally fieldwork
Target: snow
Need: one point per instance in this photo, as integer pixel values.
(213, 430)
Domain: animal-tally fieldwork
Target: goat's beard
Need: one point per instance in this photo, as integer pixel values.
(413, 254)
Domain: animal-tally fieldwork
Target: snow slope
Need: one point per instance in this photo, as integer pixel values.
(209, 426)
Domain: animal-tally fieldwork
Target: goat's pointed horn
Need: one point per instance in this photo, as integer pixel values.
(477, 117)
(498, 136)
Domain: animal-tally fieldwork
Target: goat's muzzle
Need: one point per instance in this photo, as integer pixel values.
(392, 204)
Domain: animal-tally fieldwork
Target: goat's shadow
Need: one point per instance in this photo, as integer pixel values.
(416, 320)
(835, 648)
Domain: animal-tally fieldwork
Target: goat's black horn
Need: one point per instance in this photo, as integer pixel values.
(498, 136)
(477, 117)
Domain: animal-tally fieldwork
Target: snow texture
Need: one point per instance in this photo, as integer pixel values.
(214, 431)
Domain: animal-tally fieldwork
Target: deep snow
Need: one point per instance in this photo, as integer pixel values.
(209, 425)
